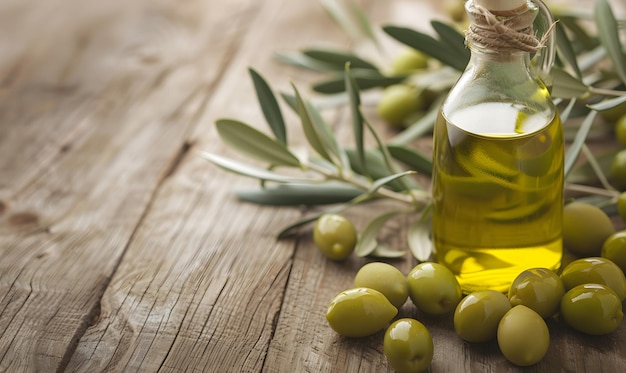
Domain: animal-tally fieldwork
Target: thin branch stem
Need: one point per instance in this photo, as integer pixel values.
(607, 92)
(592, 190)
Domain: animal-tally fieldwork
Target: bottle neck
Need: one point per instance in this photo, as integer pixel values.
(502, 32)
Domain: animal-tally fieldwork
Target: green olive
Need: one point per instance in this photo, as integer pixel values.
(585, 228)
(335, 236)
(620, 130)
(408, 60)
(398, 102)
(614, 249)
(433, 288)
(523, 336)
(477, 316)
(385, 278)
(592, 309)
(539, 289)
(617, 172)
(408, 346)
(595, 270)
(359, 312)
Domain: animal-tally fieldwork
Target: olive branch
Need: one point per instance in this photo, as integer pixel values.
(588, 79)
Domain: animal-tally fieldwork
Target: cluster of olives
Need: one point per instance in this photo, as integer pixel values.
(379, 291)
(587, 296)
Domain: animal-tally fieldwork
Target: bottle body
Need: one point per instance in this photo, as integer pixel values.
(498, 174)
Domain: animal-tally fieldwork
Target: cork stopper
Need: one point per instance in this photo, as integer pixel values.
(501, 6)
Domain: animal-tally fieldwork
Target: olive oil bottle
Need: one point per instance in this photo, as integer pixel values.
(498, 154)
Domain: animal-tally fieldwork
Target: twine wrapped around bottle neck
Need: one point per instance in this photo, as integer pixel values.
(509, 34)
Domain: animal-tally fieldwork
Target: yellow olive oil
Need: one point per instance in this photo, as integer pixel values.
(498, 193)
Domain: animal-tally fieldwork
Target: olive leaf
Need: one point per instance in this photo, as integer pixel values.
(609, 36)
(357, 119)
(309, 127)
(386, 180)
(574, 150)
(254, 143)
(428, 45)
(365, 79)
(608, 104)
(338, 59)
(566, 50)
(298, 59)
(566, 86)
(252, 171)
(367, 242)
(269, 106)
(418, 236)
(382, 251)
(583, 40)
(412, 158)
(453, 39)
(300, 194)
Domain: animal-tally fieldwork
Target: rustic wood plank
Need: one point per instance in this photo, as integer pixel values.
(202, 282)
(90, 127)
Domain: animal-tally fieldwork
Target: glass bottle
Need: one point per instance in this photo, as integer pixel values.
(498, 153)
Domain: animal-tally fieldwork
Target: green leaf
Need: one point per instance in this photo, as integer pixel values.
(609, 36)
(418, 237)
(565, 113)
(365, 79)
(357, 119)
(377, 168)
(300, 194)
(270, 107)
(386, 180)
(254, 143)
(298, 59)
(608, 104)
(428, 45)
(566, 86)
(574, 150)
(328, 139)
(411, 158)
(338, 59)
(291, 100)
(252, 171)
(566, 50)
(382, 251)
(453, 39)
(309, 127)
(580, 34)
(367, 242)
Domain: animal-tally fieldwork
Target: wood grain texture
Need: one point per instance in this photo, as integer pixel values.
(122, 250)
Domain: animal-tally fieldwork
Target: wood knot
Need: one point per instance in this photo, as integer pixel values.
(23, 218)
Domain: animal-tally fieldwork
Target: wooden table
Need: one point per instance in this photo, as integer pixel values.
(121, 249)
